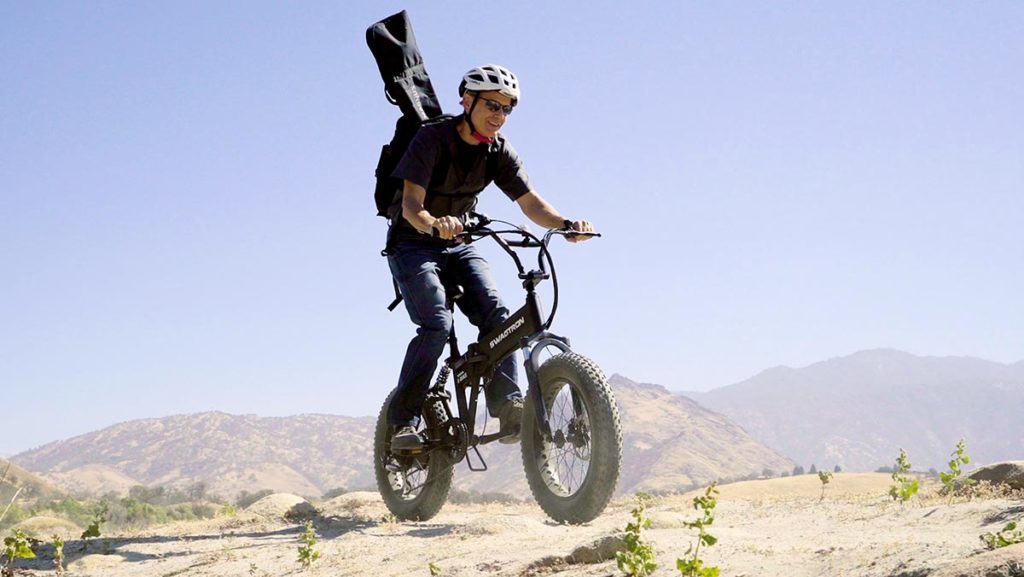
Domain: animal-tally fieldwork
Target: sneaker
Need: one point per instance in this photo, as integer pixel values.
(405, 438)
(510, 415)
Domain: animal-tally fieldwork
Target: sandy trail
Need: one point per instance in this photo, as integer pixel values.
(765, 528)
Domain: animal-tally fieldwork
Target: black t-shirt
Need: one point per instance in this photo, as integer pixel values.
(454, 172)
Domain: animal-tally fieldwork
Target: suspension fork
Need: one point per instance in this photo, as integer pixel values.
(531, 348)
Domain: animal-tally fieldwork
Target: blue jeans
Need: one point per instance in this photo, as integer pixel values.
(419, 269)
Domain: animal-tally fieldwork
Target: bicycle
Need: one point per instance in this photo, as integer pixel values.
(571, 439)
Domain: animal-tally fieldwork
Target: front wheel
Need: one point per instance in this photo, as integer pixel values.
(414, 488)
(573, 476)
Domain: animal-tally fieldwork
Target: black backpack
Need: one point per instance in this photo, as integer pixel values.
(406, 85)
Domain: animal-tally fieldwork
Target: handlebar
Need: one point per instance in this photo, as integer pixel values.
(477, 226)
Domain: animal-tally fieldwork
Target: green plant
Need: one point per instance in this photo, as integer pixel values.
(434, 569)
(638, 558)
(99, 518)
(16, 547)
(692, 565)
(307, 553)
(93, 530)
(252, 569)
(1009, 535)
(58, 554)
(951, 481)
(825, 477)
(903, 488)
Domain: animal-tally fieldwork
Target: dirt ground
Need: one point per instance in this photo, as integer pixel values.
(777, 527)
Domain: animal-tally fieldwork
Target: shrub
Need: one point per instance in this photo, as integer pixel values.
(1009, 535)
(307, 552)
(951, 481)
(693, 565)
(245, 498)
(15, 547)
(825, 477)
(58, 554)
(903, 488)
(638, 558)
(332, 493)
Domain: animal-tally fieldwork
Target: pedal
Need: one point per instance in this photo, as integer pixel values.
(409, 452)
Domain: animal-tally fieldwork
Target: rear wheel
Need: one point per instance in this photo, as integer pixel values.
(573, 476)
(414, 488)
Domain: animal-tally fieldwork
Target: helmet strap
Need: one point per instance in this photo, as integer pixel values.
(472, 129)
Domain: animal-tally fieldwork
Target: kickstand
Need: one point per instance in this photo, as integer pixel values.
(469, 460)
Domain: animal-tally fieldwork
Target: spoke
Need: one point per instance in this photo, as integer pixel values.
(566, 467)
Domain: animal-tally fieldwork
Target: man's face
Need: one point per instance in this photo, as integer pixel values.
(487, 121)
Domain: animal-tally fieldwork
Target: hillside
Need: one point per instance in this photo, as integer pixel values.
(857, 411)
(669, 443)
(304, 454)
(13, 478)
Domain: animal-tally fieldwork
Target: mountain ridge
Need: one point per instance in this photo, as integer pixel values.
(858, 410)
(313, 453)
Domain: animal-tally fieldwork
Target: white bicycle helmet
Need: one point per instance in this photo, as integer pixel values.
(491, 77)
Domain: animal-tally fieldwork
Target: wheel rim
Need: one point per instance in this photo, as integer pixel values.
(406, 476)
(565, 460)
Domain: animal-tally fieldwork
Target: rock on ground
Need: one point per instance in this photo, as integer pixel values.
(1010, 473)
(283, 507)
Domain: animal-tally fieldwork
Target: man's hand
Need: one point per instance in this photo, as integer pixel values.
(447, 227)
(580, 226)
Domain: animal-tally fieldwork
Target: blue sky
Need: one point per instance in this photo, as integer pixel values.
(186, 220)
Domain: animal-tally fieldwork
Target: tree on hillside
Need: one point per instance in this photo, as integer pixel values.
(798, 470)
(332, 493)
(196, 491)
(813, 471)
(150, 495)
(837, 469)
(245, 498)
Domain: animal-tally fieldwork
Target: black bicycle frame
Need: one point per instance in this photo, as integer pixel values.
(523, 330)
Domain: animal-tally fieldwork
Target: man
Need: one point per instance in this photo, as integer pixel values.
(446, 166)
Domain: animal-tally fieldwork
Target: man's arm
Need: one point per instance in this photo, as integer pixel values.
(413, 210)
(543, 214)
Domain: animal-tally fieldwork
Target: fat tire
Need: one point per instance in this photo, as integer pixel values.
(434, 492)
(597, 488)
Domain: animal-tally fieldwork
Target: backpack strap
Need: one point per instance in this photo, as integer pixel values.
(398, 295)
(491, 170)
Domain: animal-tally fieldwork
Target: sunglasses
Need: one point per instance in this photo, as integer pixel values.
(494, 106)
